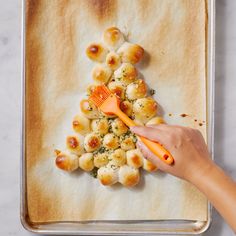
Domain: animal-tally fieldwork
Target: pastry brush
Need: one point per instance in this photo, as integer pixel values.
(110, 104)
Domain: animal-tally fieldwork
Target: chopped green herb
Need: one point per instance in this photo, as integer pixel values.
(94, 172)
(101, 149)
(152, 92)
(114, 167)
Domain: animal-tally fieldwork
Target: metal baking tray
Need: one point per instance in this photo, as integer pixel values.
(154, 227)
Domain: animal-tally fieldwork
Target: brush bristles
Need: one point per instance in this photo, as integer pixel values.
(99, 95)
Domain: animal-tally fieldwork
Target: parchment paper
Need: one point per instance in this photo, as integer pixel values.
(173, 34)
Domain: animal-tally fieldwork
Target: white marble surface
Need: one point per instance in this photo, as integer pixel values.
(225, 112)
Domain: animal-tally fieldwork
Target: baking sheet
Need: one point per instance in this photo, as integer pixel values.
(57, 71)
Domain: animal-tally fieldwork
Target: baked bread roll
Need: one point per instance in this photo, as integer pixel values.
(92, 142)
(156, 121)
(100, 126)
(113, 38)
(137, 89)
(126, 107)
(113, 60)
(89, 109)
(118, 157)
(81, 124)
(86, 161)
(128, 176)
(101, 159)
(144, 109)
(138, 122)
(131, 53)
(110, 146)
(117, 88)
(126, 74)
(111, 141)
(96, 52)
(148, 166)
(119, 127)
(108, 175)
(66, 161)
(134, 158)
(127, 143)
(101, 73)
(75, 144)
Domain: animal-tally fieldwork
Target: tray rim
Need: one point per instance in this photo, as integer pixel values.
(203, 225)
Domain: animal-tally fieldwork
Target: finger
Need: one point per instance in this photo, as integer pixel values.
(155, 135)
(147, 132)
(150, 156)
(159, 126)
(164, 127)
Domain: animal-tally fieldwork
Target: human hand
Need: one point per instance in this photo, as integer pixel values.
(186, 145)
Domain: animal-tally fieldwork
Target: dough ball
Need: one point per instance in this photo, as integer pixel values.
(113, 38)
(156, 121)
(66, 161)
(89, 109)
(148, 166)
(81, 124)
(100, 126)
(75, 144)
(113, 60)
(101, 73)
(137, 89)
(118, 157)
(131, 53)
(108, 175)
(127, 143)
(119, 127)
(144, 109)
(126, 107)
(111, 141)
(117, 88)
(134, 158)
(96, 52)
(101, 159)
(126, 73)
(86, 162)
(92, 142)
(128, 176)
(138, 122)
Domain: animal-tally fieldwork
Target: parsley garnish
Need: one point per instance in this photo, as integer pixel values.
(152, 91)
(94, 172)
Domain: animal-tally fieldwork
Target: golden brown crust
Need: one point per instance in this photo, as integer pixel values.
(126, 107)
(113, 37)
(148, 166)
(108, 175)
(101, 74)
(134, 158)
(57, 70)
(128, 176)
(67, 161)
(126, 73)
(96, 52)
(113, 60)
(131, 53)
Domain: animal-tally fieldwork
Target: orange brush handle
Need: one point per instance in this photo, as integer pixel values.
(155, 147)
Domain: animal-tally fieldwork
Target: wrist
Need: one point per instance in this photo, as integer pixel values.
(201, 172)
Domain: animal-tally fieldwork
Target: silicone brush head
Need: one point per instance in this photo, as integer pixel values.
(104, 99)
